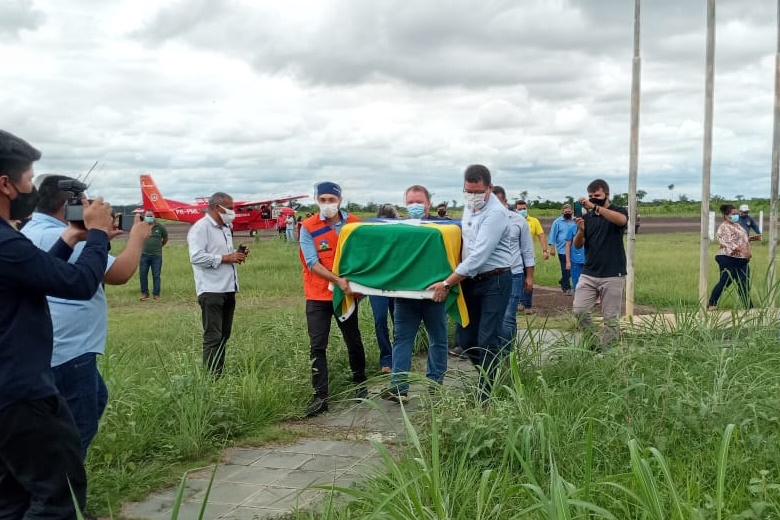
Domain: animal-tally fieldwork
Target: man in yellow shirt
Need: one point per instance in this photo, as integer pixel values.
(536, 231)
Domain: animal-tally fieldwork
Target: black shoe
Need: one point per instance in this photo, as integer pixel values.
(395, 395)
(317, 406)
(361, 392)
(458, 352)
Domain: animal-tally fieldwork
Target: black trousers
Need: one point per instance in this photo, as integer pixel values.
(217, 314)
(318, 318)
(40, 455)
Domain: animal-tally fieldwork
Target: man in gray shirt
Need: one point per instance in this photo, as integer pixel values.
(484, 273)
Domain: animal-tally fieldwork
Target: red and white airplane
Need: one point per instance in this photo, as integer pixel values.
(250, 216)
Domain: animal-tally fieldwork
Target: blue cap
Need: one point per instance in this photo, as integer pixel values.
(328, 188)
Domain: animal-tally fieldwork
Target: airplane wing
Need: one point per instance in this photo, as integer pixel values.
(244, 205)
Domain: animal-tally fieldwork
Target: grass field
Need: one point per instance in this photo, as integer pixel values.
(558, 438)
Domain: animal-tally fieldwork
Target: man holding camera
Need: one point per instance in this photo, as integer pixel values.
(41, 468)
(604, 274)
(80, 327)
(214, 260)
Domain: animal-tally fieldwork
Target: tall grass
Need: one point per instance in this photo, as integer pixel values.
(681, 425)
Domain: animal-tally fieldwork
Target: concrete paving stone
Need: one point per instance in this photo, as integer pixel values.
(330, 463)
(190, 510)
(223, 472)
(351, 449)
(257, 475)
(284, 460)
(252, 513)
(193, 487)
(157, 505)
(229, 493)
(310, 446)
(268, 496)
(303, 479)
(299, 500)
(243, 456)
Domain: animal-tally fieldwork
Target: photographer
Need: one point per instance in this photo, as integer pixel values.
(80, 327)
(40, 452)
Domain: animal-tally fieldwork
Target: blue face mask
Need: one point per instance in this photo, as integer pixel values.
(416, 210)
(523, 213)
(150, 220)
(735, 218)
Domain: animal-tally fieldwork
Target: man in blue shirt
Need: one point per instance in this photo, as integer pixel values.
(521, 244)
(41, 471)
(748, 223)
(484, 274)
(560, 229)
(80, 327)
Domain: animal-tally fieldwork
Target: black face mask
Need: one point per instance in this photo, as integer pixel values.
(598, 202)
(442, 213)
(24, 204)
(567, 216)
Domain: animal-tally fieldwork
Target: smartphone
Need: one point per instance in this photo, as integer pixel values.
(578, 209)
(241, 249)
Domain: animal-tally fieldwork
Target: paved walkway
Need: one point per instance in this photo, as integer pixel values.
(256, 483)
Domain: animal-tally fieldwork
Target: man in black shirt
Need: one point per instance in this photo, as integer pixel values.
(603, 276)
(40, 449)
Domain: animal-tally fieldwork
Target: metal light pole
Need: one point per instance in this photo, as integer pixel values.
(775, 170)
(707, 159)
(636, 73)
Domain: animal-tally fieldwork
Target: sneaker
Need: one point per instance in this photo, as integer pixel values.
(458, 352)
(712, 308)
(520, 308)
(568, 292)
(387, 370)
(156, 297)
(317, 406)
(530, 311)
(361, 392)
(395, 395)
(144, 297)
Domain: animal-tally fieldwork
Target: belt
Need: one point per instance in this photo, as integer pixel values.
(488, 274)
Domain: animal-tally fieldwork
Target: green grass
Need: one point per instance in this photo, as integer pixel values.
(676, 391)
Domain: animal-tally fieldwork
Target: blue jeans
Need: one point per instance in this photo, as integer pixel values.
(576, 271)
(486, 300)
(83, 388)
(509, 328)
(155, 262)
(564, 282)
(381, 306)
(290, 231)
(408, 315)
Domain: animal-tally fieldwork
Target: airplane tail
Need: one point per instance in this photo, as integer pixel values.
(153, 199)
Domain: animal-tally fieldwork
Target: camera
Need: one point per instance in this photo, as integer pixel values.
(74, 210)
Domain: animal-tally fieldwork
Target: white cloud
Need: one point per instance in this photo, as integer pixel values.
(260, 97)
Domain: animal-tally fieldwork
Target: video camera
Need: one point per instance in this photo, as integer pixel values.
(74, 210)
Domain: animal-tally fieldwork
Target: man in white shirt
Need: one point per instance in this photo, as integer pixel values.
(213, 260)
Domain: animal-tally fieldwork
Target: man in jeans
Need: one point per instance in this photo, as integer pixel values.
(522, 247)
(41, 469)
(80, 327)
(408, 315)
(151, 257)
(601, 232)
(484, 274)
(558, 232)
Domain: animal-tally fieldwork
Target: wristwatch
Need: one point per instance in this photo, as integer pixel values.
(447, 286)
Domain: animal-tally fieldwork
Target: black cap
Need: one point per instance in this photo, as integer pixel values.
(16, 148)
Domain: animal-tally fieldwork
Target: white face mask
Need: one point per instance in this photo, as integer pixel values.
(329, 210)
(475, 201)
(227, 216)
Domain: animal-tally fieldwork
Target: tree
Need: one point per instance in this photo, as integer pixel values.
(740, 198)
(524, 195)
(671, 192)
(640, 194)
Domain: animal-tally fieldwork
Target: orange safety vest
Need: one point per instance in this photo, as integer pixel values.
(325, 240)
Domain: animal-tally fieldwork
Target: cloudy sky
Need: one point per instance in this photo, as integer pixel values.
(262, 98)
